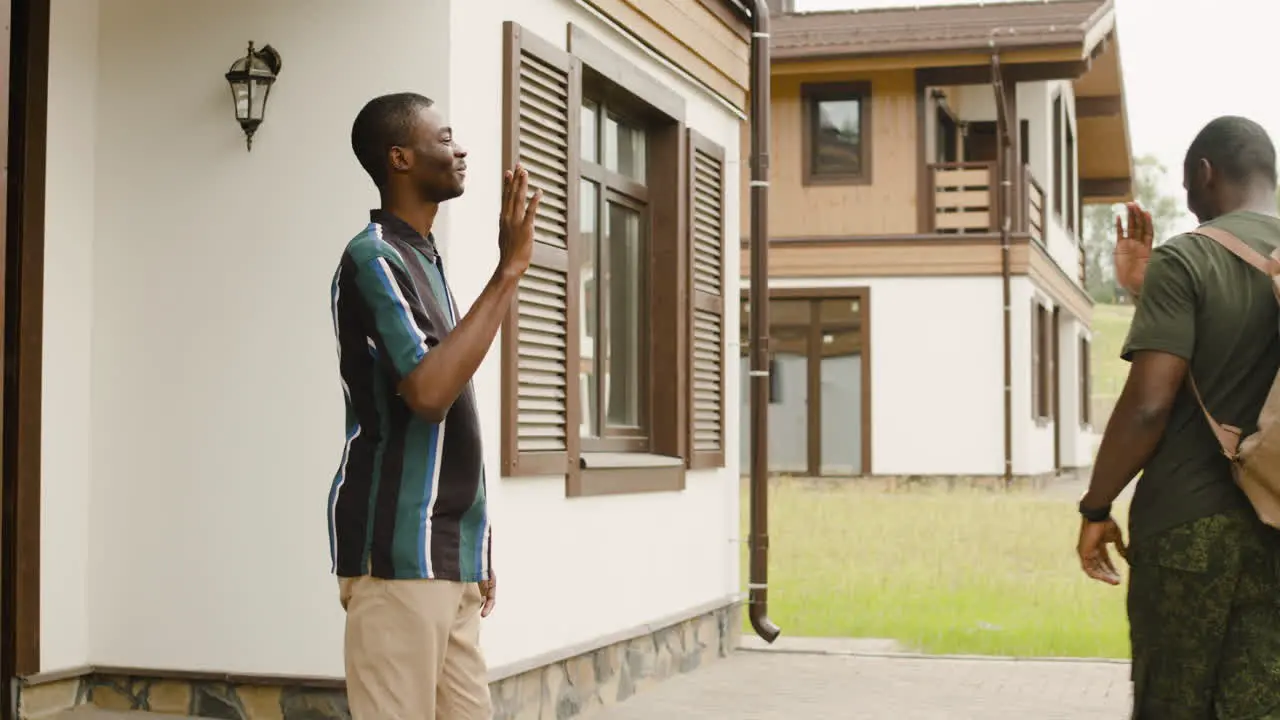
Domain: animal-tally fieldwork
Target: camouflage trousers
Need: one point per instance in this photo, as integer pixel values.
(1204, 617)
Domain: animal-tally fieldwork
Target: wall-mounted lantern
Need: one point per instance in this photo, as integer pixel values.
(251, 78)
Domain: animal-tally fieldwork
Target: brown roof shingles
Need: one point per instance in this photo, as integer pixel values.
(894, 31)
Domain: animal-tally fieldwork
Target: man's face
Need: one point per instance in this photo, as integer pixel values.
(438, 166)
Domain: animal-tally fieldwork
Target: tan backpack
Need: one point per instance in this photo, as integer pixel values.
(1255, 460)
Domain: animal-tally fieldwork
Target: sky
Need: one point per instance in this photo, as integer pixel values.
(1184, 62)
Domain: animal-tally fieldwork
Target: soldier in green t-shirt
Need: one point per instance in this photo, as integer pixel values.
(1204, 596)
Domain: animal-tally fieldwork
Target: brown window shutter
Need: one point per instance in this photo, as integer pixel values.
(540, 396)
(1052, 378)
(1086, 378)
(1037, 409)
(706, 319)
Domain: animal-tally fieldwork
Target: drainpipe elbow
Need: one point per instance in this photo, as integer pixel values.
(761, 623)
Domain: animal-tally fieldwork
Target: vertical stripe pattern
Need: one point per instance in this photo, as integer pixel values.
(408, 498)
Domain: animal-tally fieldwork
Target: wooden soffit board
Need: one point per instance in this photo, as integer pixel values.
(692, 36)
(1106, 155)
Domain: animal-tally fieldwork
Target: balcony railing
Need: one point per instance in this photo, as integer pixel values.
(1035, 207)
(964, 200)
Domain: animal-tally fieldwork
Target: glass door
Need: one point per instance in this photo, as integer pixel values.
(817, 387)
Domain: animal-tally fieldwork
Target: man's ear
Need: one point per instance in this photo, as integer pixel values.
(400, 159)
(1207, 175)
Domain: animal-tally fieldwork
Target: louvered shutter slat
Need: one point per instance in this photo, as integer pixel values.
(542, 351)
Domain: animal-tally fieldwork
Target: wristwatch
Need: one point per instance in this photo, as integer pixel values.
(1095, 515)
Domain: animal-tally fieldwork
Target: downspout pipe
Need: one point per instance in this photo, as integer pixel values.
(758, 302)
(1004, 151)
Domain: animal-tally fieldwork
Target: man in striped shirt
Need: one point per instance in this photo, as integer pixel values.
(408, 521)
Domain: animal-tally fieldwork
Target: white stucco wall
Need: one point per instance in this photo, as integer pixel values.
(215, 409)
(68, 286)
(1033, 442)
(936, 364)
(926, 334)
(592, 565)
(198, 325)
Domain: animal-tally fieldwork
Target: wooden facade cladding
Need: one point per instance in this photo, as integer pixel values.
(971, 255)
(702, 37)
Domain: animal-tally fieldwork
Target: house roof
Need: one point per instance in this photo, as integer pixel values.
(894, 31)
(742, 7)
(1073, 40)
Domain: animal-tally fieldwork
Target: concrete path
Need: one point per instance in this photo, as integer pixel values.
(756, 685)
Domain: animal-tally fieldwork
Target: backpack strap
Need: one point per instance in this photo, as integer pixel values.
(1229, 435)
(1241, 249)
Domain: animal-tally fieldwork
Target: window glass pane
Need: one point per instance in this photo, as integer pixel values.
(837, 136)
(841, 416)
(588, 125)
(789, 404)
(624, 148)
(624, 291)
(589, 308)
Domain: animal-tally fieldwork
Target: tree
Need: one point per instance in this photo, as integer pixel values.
(1100, 223)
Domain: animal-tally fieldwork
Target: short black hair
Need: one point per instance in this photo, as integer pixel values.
(1237, 147)
(382, 123)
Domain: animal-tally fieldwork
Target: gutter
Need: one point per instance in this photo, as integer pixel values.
(758, 541)
(1004, 151)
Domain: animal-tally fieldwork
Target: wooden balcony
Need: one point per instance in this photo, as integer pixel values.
(1035, 207)
(964, 198)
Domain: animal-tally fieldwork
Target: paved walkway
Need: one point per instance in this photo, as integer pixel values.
(797, 686)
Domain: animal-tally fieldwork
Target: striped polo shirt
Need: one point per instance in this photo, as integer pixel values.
(408, 499)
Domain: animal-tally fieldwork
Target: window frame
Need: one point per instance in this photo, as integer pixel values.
(1058, 187)
(1036, 360)
(813, 93)
(618, 189)
(1043, 365)
(1072, 187)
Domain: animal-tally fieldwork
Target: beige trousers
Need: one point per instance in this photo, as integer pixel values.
(413, 650)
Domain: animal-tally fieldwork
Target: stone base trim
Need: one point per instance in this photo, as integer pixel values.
(608, 672)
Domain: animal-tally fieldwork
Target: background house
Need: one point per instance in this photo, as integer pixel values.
(172, 411)
(886, 263)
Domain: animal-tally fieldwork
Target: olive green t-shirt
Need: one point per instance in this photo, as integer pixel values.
(1205, 305)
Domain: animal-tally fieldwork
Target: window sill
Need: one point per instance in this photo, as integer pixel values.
(625, 474)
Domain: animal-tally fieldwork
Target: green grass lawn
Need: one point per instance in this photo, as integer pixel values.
(1110, 326)
(962, 572)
